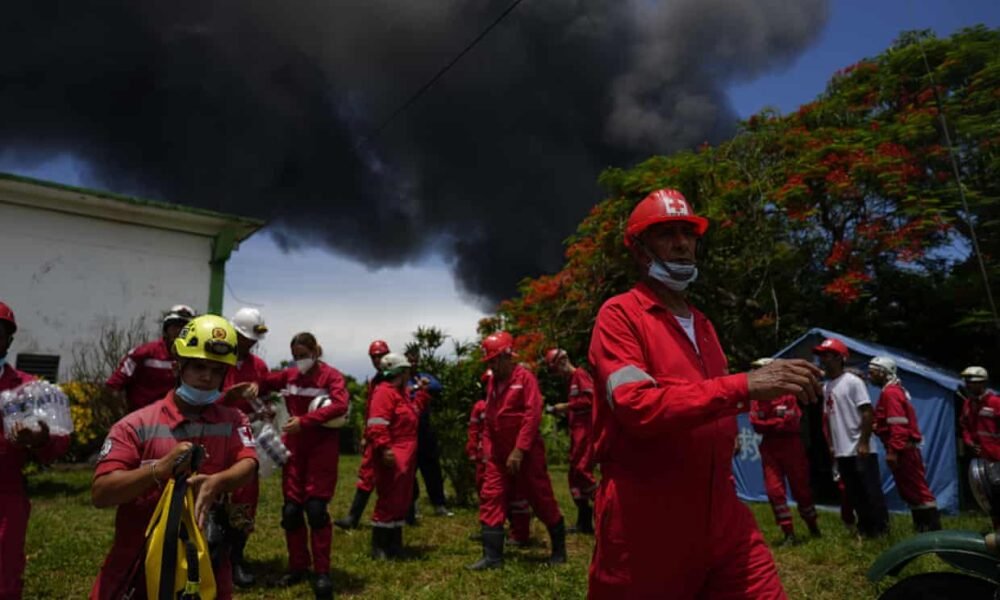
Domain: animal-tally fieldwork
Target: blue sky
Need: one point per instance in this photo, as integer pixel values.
(346, 305)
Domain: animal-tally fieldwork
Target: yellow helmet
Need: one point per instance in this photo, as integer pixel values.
(209, 337)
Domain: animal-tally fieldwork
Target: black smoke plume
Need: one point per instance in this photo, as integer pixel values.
(270, 109)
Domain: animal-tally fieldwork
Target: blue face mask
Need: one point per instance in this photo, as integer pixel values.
(196, 397)
(676, 276)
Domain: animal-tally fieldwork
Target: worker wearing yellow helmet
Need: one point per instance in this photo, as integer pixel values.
(155, 443)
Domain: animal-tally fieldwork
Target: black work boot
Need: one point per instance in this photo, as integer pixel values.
(584, 518)
(241, 576)
(926, 519)
(493, 538)
(358, 505)
(381, 539)
(323, 587)
(557, 534)
(292, 578)
(396, 542)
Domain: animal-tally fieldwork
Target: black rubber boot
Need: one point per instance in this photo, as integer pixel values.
(292, 578)
(358, 505)
(323, 587)
(933, 519)
(241, 576)
(926, 519)
(396, 543)
(584, 518)
(557, 534)
(493, 538)
(381, 539)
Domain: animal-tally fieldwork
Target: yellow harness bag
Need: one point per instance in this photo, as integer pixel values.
(178, 564)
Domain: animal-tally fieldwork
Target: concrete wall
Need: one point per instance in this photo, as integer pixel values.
(66, 275)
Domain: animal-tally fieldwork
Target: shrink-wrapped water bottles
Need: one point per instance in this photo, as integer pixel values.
(36, 401)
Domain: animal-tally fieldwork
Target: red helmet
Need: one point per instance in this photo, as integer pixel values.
(6, 314)
(496, 344)
(552, 357)
(378, 348)
(659, 207)
(832, 345)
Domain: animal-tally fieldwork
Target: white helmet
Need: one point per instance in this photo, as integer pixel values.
(884, 364)
(250, 323)
(336, 423)
(179, 312)
(392, 363)
(975, 374)
(761, 362)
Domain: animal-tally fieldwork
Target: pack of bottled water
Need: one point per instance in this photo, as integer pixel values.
(36, 401)
(271, 452)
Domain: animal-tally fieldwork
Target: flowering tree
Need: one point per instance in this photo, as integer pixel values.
(844, 213)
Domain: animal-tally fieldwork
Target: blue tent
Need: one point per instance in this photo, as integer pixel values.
(932, 391)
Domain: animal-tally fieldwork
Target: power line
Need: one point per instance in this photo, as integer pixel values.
(423, 89)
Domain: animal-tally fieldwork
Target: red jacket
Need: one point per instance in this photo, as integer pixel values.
(981, 424)
(146, 374)
(477, 422)
(393, 417)
(581, 398)
(251, 369)
(780, 416)
(895, 420)
(12, 458)
(513, 413)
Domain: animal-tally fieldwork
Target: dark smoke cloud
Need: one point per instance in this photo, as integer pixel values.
(268, 109)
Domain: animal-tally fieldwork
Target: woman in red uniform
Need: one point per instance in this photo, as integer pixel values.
(25, 443)
(241, 389)
(150, 445)
(310, 475)
(391, 432)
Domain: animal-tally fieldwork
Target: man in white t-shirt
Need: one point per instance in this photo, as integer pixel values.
(848, 412)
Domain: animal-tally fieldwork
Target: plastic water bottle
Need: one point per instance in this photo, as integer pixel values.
(271, 452)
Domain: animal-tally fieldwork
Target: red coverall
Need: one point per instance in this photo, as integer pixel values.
(146, 374)
(147, 435)
(896, 425)
(783, 455)
(392, 424)
(513, 413)
(311, 472)
(519, 511)
(243, 502)
(669, 524)
(366, 472)
(581, 464)
(14, 504)
(981, 424)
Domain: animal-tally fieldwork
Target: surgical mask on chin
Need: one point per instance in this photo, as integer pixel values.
(304, 364)
(196, 397)
(676, 276)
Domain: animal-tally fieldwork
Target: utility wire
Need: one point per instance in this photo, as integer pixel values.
(423, 89)
(966, 213)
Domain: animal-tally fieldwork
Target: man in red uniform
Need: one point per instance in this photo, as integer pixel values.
(578, 407)
(896, 425)
(309, 478)
(14, 452)
(366, 472)
(516, 453)
(669, 524)
(391, 430)
(782, 455)
(146, 373)
(242, 387)
(980, 415)
(152, 444)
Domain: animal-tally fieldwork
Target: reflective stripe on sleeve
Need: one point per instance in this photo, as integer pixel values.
(294, 390)
(626, 374)
(897, 420)
(128, 367)
(378, 421)
(158, 364)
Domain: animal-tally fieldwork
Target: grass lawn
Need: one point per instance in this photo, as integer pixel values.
(68, 538)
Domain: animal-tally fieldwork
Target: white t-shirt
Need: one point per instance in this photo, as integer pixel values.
(842, 397)
(687, 324)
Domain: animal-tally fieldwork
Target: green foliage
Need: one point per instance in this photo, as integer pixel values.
(844, 214)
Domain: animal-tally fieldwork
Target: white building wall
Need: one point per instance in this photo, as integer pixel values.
(66, 275)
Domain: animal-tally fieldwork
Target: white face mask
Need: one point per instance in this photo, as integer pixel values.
(304, 364)
(676, 276)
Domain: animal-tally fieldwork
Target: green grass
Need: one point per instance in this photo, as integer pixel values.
(68, 539)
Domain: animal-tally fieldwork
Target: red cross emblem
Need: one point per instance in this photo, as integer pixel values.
(674, 205)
